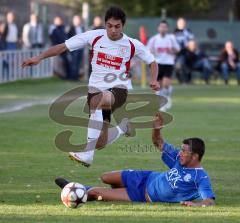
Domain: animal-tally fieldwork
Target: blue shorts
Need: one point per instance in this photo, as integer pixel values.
(135, 183)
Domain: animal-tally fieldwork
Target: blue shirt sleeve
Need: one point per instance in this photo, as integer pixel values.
(169, 154)
(204, 188)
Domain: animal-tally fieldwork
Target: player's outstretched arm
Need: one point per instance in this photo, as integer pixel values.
(154, 84)
(203, 203)
(52, 51)
(157, 138)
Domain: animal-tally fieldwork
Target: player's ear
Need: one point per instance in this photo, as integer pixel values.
(195, 156)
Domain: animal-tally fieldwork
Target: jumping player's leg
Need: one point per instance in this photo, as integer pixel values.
(111, 100)
(95, 137)
(103, 101)
(101, 105)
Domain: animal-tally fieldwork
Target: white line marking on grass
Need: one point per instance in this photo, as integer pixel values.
(23, 105)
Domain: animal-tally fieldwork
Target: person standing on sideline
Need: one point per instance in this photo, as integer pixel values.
(32, 35)
(77, 55)
(58, 36)
(97, 23)
(183, 36)
(164, 47)
(10, 32)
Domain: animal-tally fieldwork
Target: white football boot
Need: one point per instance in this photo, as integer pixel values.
(85, 158)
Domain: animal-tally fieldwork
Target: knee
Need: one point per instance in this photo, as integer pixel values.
(105, 177)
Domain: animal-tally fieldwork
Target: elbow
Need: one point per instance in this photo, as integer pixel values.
(212, 202)
(209, 202)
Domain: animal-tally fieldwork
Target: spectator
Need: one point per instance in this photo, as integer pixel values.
(195, 59)
(229, 61)
(58, 35)
(76, 56)
(164, 48)
(32, 34)
(97, 23)
(10, 32)
(183, 36)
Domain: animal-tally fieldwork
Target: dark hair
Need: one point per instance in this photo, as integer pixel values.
(196, 145)
(115, 13)
(164, 22)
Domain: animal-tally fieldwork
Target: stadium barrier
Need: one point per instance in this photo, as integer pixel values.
(11, 70)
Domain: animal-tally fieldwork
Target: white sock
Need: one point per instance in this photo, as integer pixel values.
(170, 90)
(166, 92)
(162, 92)
(94, 130)
(169, 94)
(95, 124)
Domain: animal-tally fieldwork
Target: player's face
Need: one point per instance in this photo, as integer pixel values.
(163, 28)
(186, 155)
(114, 29)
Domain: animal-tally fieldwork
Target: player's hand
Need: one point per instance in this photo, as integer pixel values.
(31, 61)
(188, 203)
(158, 121)
(155, 85)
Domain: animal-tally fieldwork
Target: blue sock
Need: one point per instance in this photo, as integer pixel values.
(87, 187)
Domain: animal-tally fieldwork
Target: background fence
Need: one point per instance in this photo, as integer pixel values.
(10, 66)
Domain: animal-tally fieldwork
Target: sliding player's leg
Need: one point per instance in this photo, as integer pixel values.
(113, 178)
(108, 194)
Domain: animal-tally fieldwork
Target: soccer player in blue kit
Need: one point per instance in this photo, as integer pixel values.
(185, 182)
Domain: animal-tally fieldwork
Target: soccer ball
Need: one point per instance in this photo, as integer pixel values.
(73, 195)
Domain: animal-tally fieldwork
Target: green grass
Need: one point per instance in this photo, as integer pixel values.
(30, 161)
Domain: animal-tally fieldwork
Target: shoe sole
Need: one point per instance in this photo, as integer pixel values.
(79, 161)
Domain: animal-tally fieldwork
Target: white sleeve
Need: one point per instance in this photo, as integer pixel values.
(150, 45)
(83, 39)
(142, 52)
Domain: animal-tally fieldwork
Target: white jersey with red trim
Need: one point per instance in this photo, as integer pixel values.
(110, 59)
(160, 46)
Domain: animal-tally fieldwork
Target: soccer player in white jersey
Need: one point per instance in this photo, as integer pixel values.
(185, 182)
(112, 52)
(164, 47)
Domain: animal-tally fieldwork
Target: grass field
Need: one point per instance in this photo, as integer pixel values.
(30, 161)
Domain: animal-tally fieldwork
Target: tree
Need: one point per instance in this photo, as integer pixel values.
(138, 8)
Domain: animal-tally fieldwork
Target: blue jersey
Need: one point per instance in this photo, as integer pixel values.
(179, 183)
